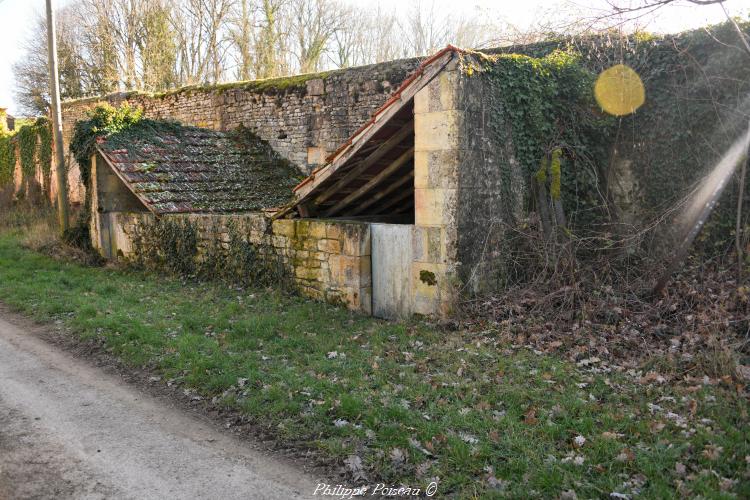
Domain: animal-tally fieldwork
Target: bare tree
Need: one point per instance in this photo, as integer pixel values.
(344, 42)
(99, 50)
(314, 22)
(424, 29)
(200, 29)
(241, 36)
(270, 39)
(107, 45)
(32, 74)
(216, 14)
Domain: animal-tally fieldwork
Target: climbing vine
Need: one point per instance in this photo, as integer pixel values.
(32, 144)
(174, 245)
(103, 120)
(44, 155)
(7, 159)
(548, 103)
(696, 88)
(27, 141)
(165, 243)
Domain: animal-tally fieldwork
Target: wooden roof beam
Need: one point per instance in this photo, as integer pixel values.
(370, 160)
(394, 201)
(369, 185)
(393, 186)
(426, 72)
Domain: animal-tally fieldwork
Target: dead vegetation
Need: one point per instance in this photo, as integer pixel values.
(36, 223)
(601, 313)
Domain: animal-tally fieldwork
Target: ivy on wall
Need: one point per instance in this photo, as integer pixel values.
(44, 155)
(7, 159)
(32, 144)
(102, 121)
(172, 245)
(697, 87)
(27, 141)
(549, 104)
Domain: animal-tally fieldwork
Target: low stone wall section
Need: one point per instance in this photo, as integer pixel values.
(328, 260)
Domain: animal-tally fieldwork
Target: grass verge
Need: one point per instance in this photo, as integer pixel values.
(401, 403)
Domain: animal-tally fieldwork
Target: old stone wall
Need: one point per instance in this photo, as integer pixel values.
(437, 156)
(491, 186)
(468, 189)
(304, 118)
(328, 260)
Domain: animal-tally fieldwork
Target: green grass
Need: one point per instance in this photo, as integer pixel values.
(418, 402)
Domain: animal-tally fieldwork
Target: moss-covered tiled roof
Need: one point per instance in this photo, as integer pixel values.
(179, 169)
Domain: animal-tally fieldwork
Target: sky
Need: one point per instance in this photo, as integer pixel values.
(16, 17)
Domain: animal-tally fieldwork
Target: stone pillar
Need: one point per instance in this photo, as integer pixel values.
(437, 155)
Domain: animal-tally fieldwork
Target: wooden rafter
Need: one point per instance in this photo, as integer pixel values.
(394, 201)
(370, 160)
(429, 69)
(369, 185)
(376, 197)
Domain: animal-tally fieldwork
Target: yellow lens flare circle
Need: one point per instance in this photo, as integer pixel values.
(619, 90)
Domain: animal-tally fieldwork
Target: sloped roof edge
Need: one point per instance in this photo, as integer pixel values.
(172, 168)
(117, 172)
(309, 183)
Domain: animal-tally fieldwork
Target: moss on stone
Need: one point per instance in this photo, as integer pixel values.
(427, 277)
(555, 174)
(177, 168)
(394, 71)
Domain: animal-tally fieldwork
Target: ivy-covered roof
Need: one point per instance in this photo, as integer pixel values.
(173, 168)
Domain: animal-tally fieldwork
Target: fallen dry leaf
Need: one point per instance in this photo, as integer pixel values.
(712, 452)
(680, 469)
(656, 426)
(397, 456)
(727, 484)
(530, 417)
(626, 455)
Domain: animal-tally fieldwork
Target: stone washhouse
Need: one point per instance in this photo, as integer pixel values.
(386, 198)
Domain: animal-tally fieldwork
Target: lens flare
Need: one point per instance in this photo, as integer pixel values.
(619, 90)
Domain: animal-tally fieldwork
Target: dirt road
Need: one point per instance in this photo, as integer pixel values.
(70, 430)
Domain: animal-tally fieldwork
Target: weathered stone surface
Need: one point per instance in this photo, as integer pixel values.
(438, 127)
(302, 123)
(437, 130)
(438, 169)
(329, 246)
(313, 249)
(491, 185)
(426, 244)
(434, 207)
(284, 227)
(316, 87)
(317, 229)
(355, 238)
(316, 156)
(440, 94)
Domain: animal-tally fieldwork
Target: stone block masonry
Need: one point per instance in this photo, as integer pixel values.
(328, 260)
(437, 155)
(304, 117)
